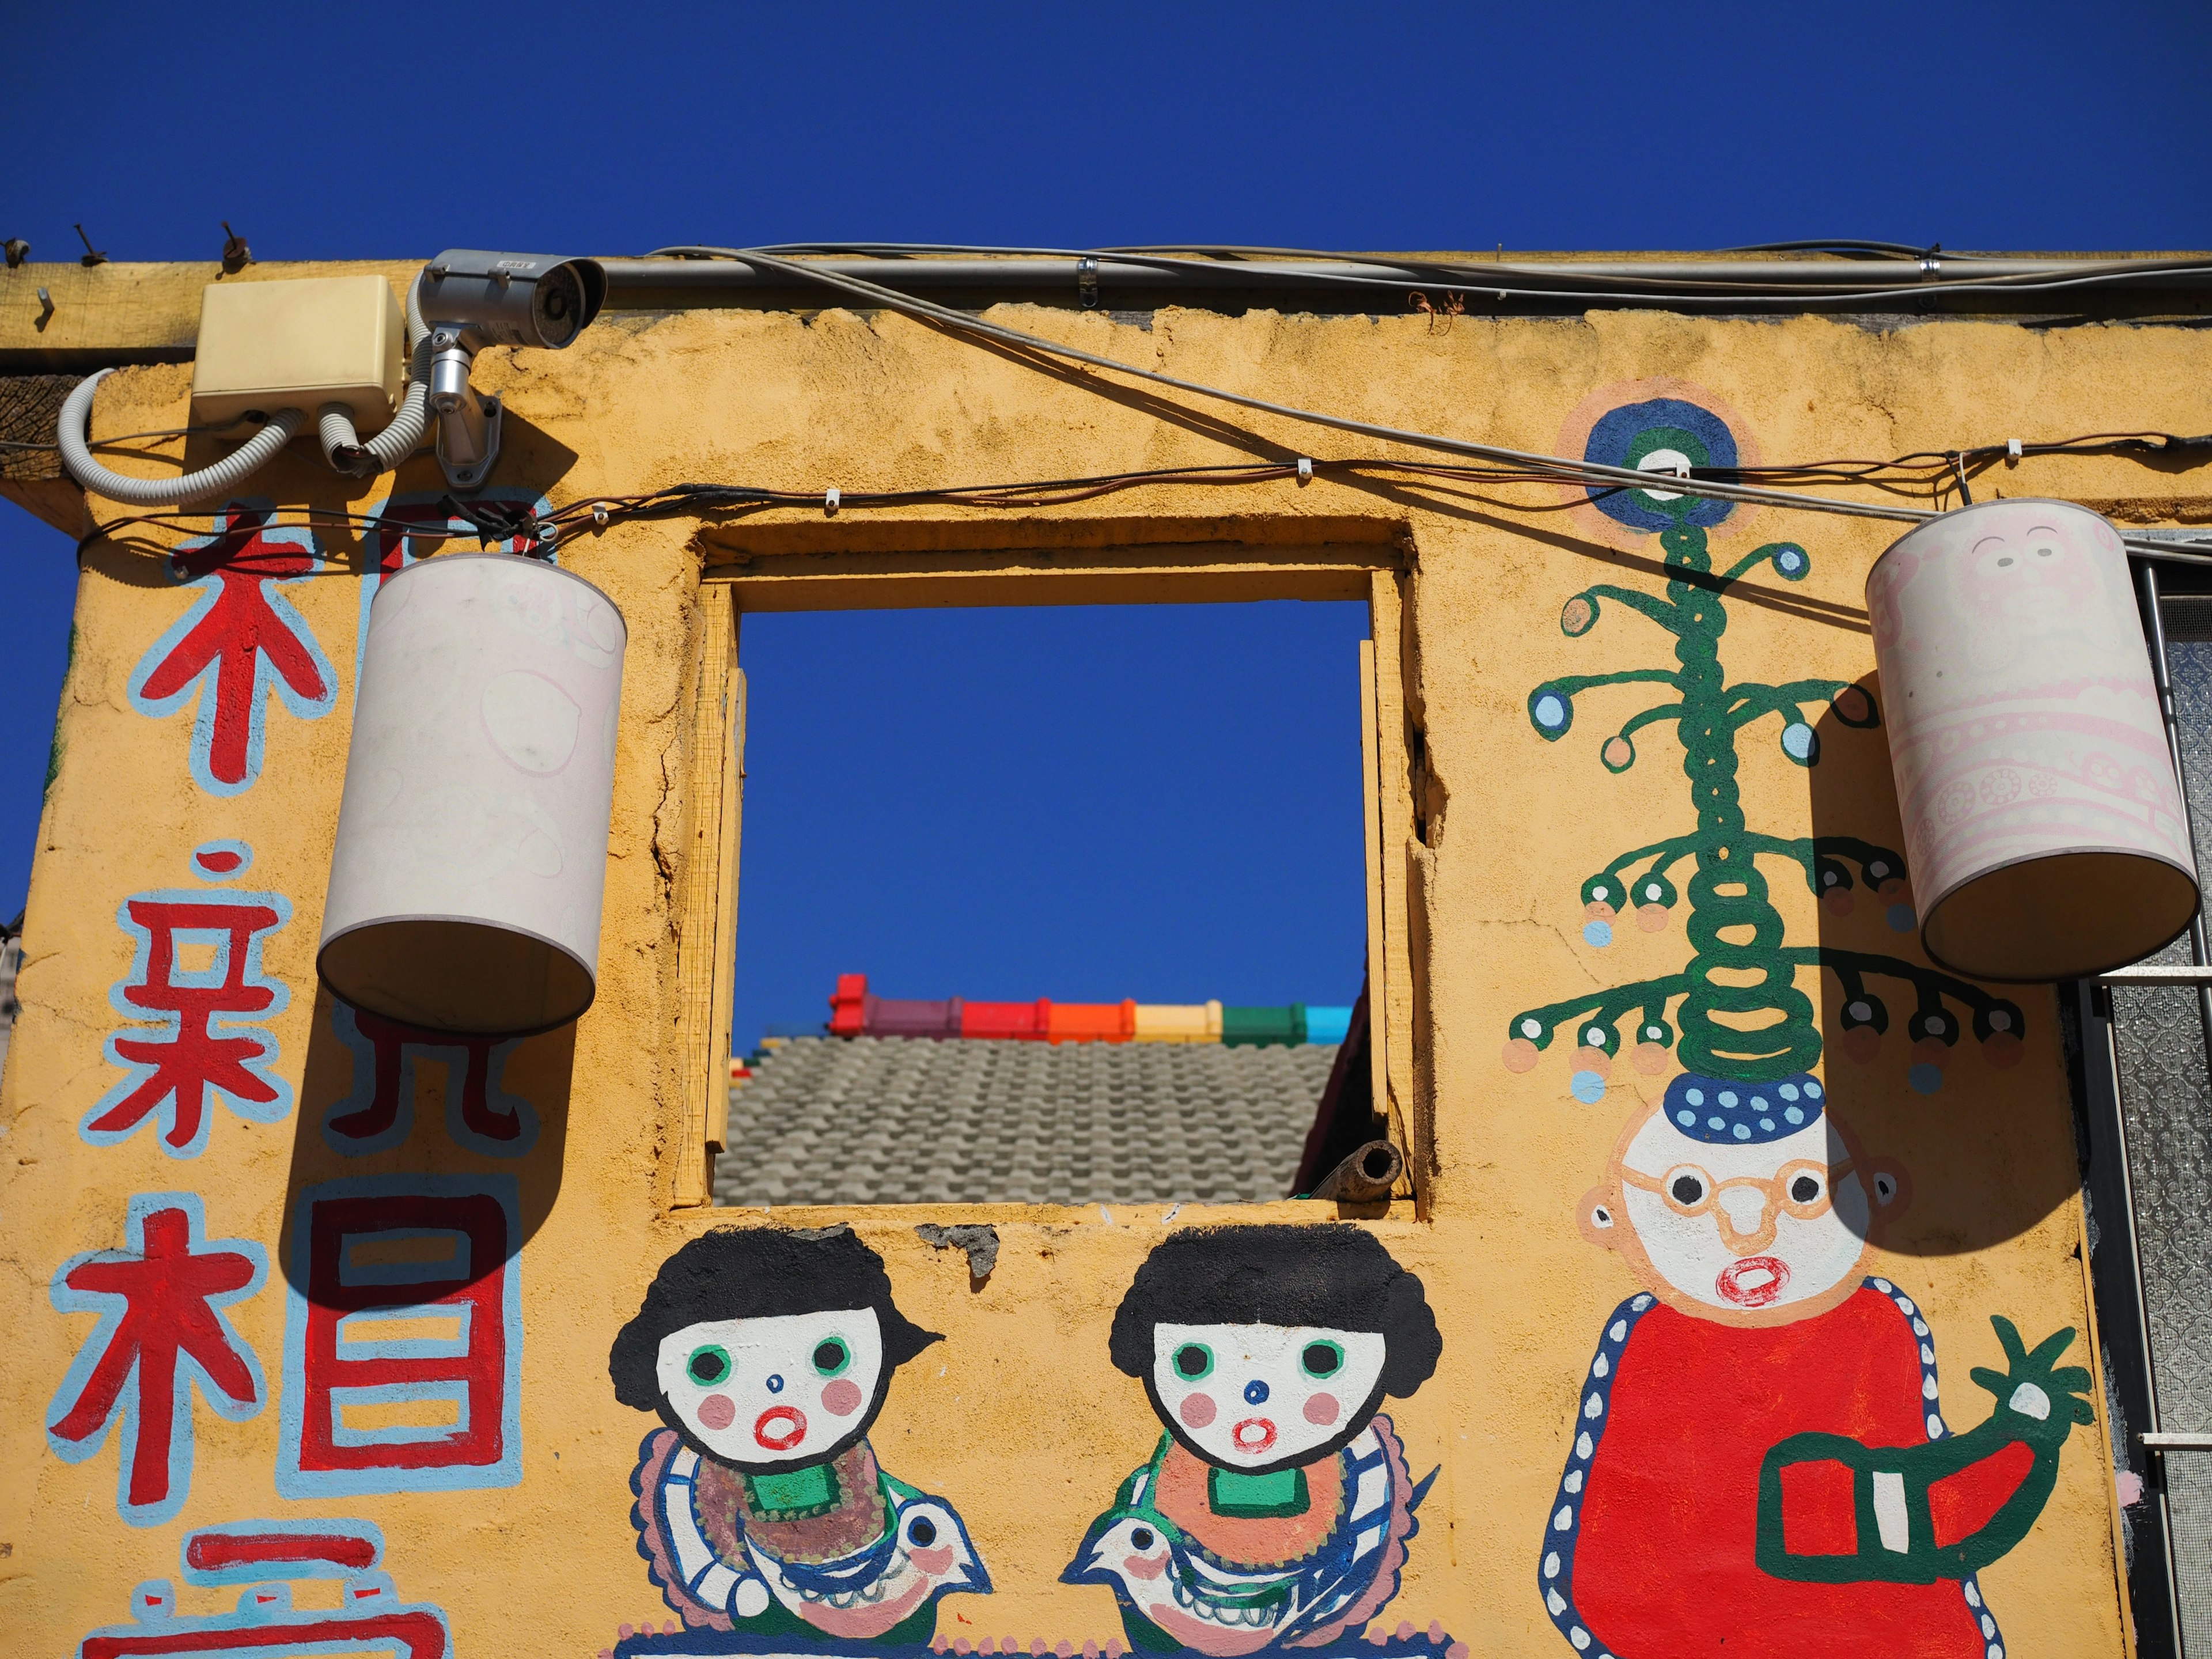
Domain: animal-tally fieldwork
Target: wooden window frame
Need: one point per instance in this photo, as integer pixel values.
(910, 566)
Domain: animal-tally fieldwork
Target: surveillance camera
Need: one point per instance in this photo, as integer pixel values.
(472, 298)
(512, 298)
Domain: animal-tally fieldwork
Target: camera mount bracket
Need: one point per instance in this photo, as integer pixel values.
(468, 423)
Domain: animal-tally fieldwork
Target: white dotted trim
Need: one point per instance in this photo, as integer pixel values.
(1556, 1571)
(1938, 1430)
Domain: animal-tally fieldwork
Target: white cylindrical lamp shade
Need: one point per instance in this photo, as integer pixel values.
(470, 863)
(2044, 826)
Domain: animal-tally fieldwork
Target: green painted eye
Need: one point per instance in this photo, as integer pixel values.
(709, 1366)
(831, 1356)
(1193, 1360)
(1323, 1358)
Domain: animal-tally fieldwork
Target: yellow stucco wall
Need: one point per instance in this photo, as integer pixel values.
(1018, 1417)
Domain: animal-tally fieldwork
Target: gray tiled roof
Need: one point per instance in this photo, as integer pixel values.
(902, 1121)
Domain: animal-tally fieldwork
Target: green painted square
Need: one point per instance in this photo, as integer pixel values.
(795, 1494)
(1283, 1492)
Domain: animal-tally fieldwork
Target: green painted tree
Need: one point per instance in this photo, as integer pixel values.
(1735, 1011)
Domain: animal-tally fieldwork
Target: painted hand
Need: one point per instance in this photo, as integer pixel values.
(1834, 1510)
(2037, 1400)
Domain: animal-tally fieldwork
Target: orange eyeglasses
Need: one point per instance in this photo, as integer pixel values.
(1803, 1188)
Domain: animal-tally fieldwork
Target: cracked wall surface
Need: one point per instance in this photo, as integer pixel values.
(1018, 1416)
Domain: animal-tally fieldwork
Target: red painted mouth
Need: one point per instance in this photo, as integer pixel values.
(780, 1427)
(1754, 1282)
(1252, 1436)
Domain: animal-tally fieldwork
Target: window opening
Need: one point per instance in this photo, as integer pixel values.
(1110, 860)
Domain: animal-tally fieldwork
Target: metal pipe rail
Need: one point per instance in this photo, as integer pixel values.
(1113, 281)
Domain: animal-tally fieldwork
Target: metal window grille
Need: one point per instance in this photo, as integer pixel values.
(2143, 1072)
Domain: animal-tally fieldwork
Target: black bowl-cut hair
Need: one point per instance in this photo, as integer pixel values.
(1331, 1275)
(750, 1273)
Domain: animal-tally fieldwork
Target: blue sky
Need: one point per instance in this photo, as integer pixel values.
(1071, 804)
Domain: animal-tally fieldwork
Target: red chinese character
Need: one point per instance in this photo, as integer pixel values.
(479, 1113)
(201, 1053)
(241, 643)
(161, 1332)
(339, 1557)
(371, 1403)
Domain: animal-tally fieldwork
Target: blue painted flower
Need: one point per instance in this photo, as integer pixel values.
(1662, 435)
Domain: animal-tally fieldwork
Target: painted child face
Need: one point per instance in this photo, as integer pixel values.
(1755, 1234)
(1256, 1398)
(779, 1392)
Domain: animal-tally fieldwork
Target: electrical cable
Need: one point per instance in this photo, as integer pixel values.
(1507, 465)
(489, 522)
(121, 439)
(1848, 247)
(1505, 281)
(1564, 469)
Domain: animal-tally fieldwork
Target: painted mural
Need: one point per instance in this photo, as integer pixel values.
(162, 1338)
(762, 1512)
(240, 644)
(1273, 1515)
(1759, 1457)
(196, 969)
(270, 1305)
(1276, 1511)
(402, 1337)
(378, 1113)
(269, 1557)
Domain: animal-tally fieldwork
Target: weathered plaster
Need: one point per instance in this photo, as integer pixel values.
(1017, 1415)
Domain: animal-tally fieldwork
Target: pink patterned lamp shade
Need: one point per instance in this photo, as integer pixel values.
(2043, 824)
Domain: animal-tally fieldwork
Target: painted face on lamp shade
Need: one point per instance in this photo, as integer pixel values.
(1749, 1229)
(1255, 1398)
(777, 1392)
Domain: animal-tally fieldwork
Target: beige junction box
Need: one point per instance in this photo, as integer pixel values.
(300, 344)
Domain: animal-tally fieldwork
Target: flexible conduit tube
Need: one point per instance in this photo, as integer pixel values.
(334, 429)
(398, 440)
(341, 443)
(226, 474)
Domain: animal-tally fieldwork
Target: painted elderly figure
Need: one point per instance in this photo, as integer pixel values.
(1759, 1457)
(1276, 1510)
(761, 1510)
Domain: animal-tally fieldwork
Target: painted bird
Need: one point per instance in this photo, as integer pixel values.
(925, 1553)
(723, 1575)
(1196, 1584)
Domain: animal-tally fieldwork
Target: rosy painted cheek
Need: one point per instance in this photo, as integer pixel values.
(717, 1411)
(1323, 1410)
(841, 1398)
(931, 1562)
(1198, 1411)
